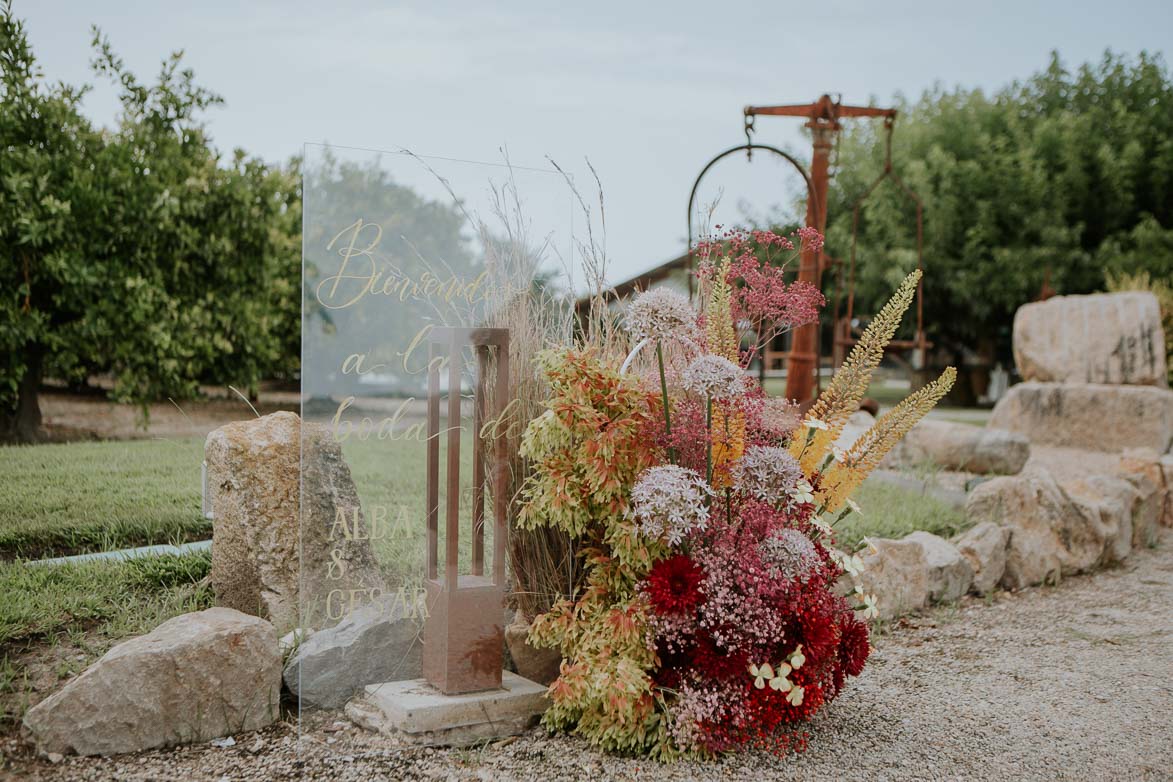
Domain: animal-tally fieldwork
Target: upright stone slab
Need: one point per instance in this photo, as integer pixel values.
(1093, 417)
(193, 678)
(256, 551)
(984, 547)
(1107, 338)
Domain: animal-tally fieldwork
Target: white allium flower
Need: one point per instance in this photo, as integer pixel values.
(854, 506)
(789, 554)
(669, 501)
(661, 314)
(715, 377)
(767, 473)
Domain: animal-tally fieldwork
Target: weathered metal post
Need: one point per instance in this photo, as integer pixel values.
(823, 119)
(464, 629)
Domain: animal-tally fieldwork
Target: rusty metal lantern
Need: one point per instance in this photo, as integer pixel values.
(464, 629)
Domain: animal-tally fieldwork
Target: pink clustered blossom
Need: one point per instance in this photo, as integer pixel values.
(762, 298)
(779, 417)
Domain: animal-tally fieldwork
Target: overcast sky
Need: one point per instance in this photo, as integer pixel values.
(649, 91)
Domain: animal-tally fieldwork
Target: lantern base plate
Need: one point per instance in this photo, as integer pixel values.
(416, 712)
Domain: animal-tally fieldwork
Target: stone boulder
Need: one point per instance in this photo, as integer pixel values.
(259, 559)
(1110, 500)
(1050, 533)
(192, 679)
(377, 642)
(896, 572)
(984, 547)
(949, 573)
(1091, 416)
(1157, 474)
(1167, 477)
(1113, 338)
(955, 446)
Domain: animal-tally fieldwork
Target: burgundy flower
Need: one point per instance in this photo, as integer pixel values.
(673, 585)
(853, 645)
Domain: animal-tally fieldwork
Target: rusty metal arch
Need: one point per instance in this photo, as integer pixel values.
(748, 148)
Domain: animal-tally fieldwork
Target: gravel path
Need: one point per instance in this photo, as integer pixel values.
(1069, 682)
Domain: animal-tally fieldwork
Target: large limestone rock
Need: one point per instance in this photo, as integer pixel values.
(955, 446)
(896, 572)
(378, 642)
(1111, 500)
(1051, 534)
(194, 678)
(258, 558)
(1091, 416)
(984, 547)
(1111, 338)
(949, 573)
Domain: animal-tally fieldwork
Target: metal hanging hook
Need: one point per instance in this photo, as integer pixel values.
(749, 129)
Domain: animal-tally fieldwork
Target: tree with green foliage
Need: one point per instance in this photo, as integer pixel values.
(1050, 182)
(135, 252)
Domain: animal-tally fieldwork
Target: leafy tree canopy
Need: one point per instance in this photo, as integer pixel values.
(135, 251)
(1056, 180)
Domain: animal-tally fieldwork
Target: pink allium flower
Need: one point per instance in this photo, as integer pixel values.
(811, 238)
(767, 473)
(789, 554)
(661, 314)
(779, 416)
(669, 502)
(715, 377)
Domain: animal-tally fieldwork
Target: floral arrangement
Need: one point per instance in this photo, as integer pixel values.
(709, 618)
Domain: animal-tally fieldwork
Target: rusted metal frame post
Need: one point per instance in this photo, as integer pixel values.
(463, 631)
(452, 475)
(501, 462)
(433, 463)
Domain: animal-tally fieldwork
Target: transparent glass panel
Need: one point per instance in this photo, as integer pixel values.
(428, 284)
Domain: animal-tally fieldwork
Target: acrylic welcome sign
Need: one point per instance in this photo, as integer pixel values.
(421, 308)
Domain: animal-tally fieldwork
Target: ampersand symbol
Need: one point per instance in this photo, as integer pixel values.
(337, 567)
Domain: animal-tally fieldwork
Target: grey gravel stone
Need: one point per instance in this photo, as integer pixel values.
(378, 642)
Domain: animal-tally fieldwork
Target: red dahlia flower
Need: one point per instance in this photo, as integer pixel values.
(673, 585)
(853, 645)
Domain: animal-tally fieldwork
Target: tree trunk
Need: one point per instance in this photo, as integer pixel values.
(21, 423)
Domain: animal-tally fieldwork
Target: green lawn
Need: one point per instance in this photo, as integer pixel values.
(893, 512)
(66, 499)
(116, 598)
